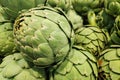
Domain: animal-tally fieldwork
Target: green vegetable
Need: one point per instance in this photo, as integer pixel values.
(7, 45)
(44, 35)
(14, 7)
(83, 6)
(112, 7)
(15, 67)
(109, 63)
(80, 64)
(92, 38)
(75, 18)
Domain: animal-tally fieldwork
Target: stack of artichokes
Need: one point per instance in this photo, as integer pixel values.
(59, 40)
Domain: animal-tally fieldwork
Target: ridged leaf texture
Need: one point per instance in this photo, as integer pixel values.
(44, 35)
(109, 63)
(80, 64)
(14, 7)
(92, 38)
(15, 67)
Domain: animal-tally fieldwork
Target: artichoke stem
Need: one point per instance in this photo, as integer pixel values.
(91, 18)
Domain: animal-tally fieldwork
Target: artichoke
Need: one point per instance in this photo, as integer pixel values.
(83, 6)
(14, 7)
(75, 18)
(44, 35)
(65, 5)
(7, 44)
(15, 67)
(109, 63)
(112, 7)
(80, 64)
(92, 38)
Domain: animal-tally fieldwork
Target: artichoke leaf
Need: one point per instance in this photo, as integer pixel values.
(115, 66)
(114, 76)
(85, 69)
(112, 55)
(65, 68)
(78, 57)
(8, 70)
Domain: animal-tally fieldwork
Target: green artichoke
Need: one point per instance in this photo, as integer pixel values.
(83, 6)
(65, 5)
(7, 44)
(44, 35)
(92, 38)
(15, 67)
(80, 64)
(112, 7)
(75, 18)
(14, 7)
(109, 63)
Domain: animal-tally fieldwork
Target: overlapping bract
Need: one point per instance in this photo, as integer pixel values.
(15, 67)
(82, 6)
(80, 64)
(92, 38)
(44, 35)
(109, 63)
(7, 44)
(112, 7)
(14, 7)
(75, 18)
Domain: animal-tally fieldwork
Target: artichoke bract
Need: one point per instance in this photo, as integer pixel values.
(80, 64)
(92, 38)
(109, 63)
(15, 67)
(14, 7)
(75, 18)
(44, 35)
